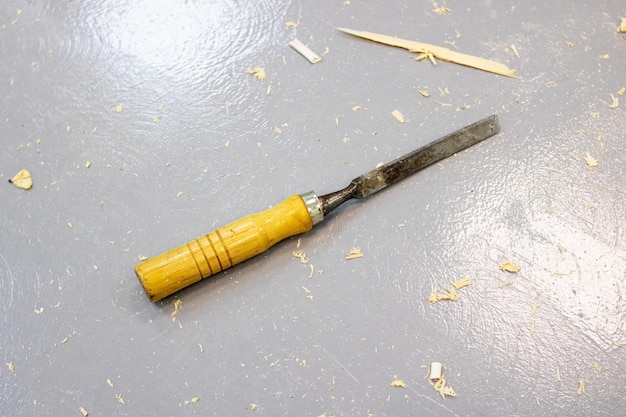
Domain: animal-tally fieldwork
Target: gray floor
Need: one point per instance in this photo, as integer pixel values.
(155, 97)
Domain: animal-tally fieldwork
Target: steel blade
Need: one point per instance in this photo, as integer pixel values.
(402, 167)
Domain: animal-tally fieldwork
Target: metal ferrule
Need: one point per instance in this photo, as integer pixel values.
(314, 206)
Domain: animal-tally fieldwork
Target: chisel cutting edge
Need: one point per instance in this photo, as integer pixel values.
(251, 235)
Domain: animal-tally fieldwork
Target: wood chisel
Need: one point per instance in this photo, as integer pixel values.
(251, 235)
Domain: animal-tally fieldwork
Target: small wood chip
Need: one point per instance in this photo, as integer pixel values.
(509, 266)
(305, 51)
(424, 93)
(581, 387)
(120, 399)
(354, 253)
(463, 282)
(84, 412)
(438, 295)
(590, 161)
(10, 366)
(257, 72)
(621, 91)
(399, 116)
(397, 383)
(614, 102)
(117, 109)
(22, 180)
(622, 25)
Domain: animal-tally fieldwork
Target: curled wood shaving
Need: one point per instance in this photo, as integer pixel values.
(22, 180)
(614, 102)
(178, 303)
(509, 266)
(300, 255)
(354, 253)
(431, 51)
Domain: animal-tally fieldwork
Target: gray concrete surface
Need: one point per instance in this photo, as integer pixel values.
(180, 140)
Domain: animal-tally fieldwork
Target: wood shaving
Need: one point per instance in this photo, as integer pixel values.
(177, 303)
(354, 253)
(257, 72)
(399, 116)
(463, 282)
(514, 49)
(590, 161)
(397, 383)
(305, 51)
(509, 266)
(300, 255)
(11, 366)
(597, 367)
(84, 412)
(117, 109)
(581, 387)
(431, 51)
(22, 180)
(424, 93)
(621, 91)
(440, 385)
(110, 383)
(120, 399)
(291, 24)
(438, 295)
(614, 102)
(622, 25)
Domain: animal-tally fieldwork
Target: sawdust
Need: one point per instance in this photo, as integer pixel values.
(431, 52)
(22, 180)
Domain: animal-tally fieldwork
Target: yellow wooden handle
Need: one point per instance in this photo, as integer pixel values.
(236, 242)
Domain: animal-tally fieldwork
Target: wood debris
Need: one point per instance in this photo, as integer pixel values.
(84, 412)
(440, 9)
(424, 93)
(590, 161)
(120, 399)
(398, 115)
(257, 72)
(463, 282)
(291, 24)
(117, 108)
(440, 385)
(354, 253)
(397, 383)
(11, 366)
(22, 180)
(614, 102)
(431, 51)
(305, 51)
(509, 266)
(621, 91)
(622, 25)
(581, 387)
(300, 254)
(449, 294)
(177, 303)
(438, 295)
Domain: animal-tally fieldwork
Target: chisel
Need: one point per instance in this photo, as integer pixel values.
(251, 235)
